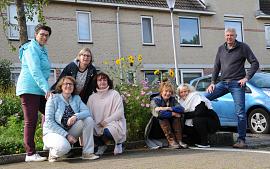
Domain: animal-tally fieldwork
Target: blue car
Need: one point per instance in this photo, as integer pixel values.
(257, 103)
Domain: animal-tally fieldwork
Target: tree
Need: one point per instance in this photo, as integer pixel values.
(25, 10)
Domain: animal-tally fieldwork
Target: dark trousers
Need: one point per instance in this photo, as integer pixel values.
(102, 140)
(31, 104)
(202, 127)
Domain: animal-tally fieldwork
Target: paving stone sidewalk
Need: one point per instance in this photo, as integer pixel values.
(220, 139)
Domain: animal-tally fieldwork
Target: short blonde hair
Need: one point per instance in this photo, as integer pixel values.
(166, 85)
(185, 85)
(83, 50)
(59, 85)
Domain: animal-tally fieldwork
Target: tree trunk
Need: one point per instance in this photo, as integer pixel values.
(21, 21)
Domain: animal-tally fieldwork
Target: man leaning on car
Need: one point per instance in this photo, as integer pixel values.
(230, 61)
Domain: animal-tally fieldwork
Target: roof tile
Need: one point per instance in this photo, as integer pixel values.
(179, 4)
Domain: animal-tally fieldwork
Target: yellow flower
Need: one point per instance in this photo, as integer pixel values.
(171, 72)
(140, 58)
(130, 59)
(156, 72)
(105, 62)
(118, 61)
(122, 58)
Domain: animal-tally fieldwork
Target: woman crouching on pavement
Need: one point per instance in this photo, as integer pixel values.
(107, 107)
(66, 119)
(200, 119)
(166, 113)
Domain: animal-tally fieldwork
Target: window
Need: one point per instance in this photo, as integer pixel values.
(151, 77)
(267, 35)
(16, 72)
(131, 77)
(188, 75)
(189, 29)
(84, 30)
(238, 25)
(13, 31)
(15, 75)
(52, 78)
(203, 84)
(147, 30)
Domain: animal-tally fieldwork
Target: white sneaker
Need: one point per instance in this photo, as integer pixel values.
(34, 158)
(182, 144)
(52, 158)
(101, 150)
(118, 149)
(90, 157)
(202, 146)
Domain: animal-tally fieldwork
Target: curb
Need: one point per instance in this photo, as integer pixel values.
(223, 139)
(17, 158)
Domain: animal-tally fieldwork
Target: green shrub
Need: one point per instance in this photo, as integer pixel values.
(11, 136)
(9, 105)
(137, 109)
(5, 73)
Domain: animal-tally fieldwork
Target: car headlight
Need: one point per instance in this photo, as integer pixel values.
(267, 92)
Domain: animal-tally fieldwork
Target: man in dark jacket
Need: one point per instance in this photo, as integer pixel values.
(230, 62)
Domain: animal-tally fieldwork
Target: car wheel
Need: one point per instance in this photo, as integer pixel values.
(258, 121)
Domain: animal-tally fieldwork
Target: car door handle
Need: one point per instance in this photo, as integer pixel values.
(215, 100)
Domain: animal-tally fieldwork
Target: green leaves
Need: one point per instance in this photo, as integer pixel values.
(5, 73)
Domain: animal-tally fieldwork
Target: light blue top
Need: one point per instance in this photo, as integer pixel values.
(54, 111)
(35, 69)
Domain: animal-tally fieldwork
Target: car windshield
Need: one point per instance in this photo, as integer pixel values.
(261, 80)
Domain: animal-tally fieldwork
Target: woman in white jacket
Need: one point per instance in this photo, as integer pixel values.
(200, 118)
(108, 113)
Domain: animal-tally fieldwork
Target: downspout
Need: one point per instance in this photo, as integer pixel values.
(118, 43)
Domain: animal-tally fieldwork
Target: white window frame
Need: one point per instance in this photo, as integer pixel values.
(16, 71)
(267, 34)
(183, 71)
(152, 30)
(231, 19)
(151, 71)
(199, 30)
(52, 77)
(90, 27)
(15, 25)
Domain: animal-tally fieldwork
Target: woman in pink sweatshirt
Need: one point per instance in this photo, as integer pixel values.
(108, 113)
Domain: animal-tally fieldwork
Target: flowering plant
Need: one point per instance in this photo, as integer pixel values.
(123, 69)
(136, 96)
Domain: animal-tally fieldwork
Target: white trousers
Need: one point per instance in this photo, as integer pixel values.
(59, 145)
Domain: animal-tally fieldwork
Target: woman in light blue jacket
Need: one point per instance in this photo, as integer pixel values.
(66, 119)
(33, 85)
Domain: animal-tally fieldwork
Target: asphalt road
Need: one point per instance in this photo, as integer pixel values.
(213, 158)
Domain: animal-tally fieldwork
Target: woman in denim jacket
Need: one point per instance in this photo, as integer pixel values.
(66, 119)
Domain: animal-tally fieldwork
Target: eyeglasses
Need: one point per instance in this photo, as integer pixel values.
(68, 84)
(85, 55)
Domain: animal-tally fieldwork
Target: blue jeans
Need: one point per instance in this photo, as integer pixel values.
(238, 94)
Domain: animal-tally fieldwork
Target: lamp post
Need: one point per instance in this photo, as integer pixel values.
(171, 4)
